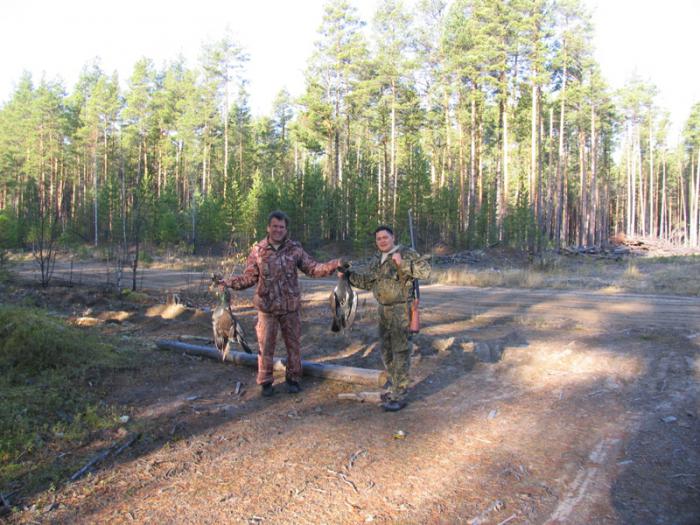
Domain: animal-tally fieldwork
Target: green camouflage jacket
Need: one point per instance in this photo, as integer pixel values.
(389, 284)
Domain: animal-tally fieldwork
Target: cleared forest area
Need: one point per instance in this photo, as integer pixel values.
(528, 404)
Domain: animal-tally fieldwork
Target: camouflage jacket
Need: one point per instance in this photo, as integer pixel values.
(389, 284)
(275, 273)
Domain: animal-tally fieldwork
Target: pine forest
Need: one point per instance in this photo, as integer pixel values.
(489, 119)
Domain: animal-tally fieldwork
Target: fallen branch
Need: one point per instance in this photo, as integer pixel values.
(355, 455)
(114, 451)
(511, 517)
(348, 374)
(496, 506)
(343, 477)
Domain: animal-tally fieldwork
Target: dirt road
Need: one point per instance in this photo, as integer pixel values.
(529, 406)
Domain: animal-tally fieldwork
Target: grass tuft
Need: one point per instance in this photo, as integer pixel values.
(632, 272)
(135, 297)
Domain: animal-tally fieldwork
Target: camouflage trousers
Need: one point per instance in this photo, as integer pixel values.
(266, 330)
(393, 335)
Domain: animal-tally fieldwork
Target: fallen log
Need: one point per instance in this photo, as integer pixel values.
(370, 397)
(207, 340)
(347, 374)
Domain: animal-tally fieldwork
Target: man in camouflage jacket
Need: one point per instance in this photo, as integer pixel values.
(272, 266)
(390, 277)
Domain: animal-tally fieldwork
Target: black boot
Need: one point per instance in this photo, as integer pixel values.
(267, 390)
(393, 405)
(293, 387)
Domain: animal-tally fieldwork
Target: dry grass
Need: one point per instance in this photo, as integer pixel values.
(668, 275)
(512, 278)
(611, 290)
(632, 272)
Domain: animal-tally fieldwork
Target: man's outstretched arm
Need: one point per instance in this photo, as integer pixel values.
(248, 278)
(313, 268)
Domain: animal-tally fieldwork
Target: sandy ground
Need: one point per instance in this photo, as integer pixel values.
(528, 406)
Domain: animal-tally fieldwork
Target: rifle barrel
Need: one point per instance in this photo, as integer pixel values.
(416, 288)
(410, 229)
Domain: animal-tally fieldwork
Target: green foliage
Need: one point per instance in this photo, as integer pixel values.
(45, 368)
(135, 297)
(9, 230)
(490, 120)
(692, 127)
(211, 220)
(169, 223)
(314, 201)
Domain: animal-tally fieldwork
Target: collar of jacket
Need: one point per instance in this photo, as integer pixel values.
(388, 254)
(266, 244)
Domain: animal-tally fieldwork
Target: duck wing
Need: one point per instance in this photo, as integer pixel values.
(336, 310)
(352, 306)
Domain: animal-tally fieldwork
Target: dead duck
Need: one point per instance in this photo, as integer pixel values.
(343, 303)
(225, 325)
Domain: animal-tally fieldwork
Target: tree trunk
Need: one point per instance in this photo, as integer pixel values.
(551, 180)
(226, 152)
(696, 201)
(662, 228)
(94, 186)
(462, 182)
(683, 209)
(392, 165)
(652, 211)
(630, 186)
(472, 165)
(594, 203)
(533, 148)
(583, 185)
(540, 171)
(560, 159)
(204, 162)
(348, 374)
(642, 228)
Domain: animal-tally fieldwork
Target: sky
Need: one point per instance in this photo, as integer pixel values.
(653, 39)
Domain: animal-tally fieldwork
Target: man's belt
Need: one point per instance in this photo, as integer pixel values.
(393, 304)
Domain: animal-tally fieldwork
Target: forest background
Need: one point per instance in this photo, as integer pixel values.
(491, 120)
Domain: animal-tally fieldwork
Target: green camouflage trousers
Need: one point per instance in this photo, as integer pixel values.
(393, 334)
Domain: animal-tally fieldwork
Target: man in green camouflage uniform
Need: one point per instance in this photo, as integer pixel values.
(390, 277)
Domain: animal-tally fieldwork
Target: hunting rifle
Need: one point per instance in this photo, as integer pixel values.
(414, 322)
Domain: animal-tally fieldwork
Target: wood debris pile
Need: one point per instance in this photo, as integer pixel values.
(464, 257)
(631, 246)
